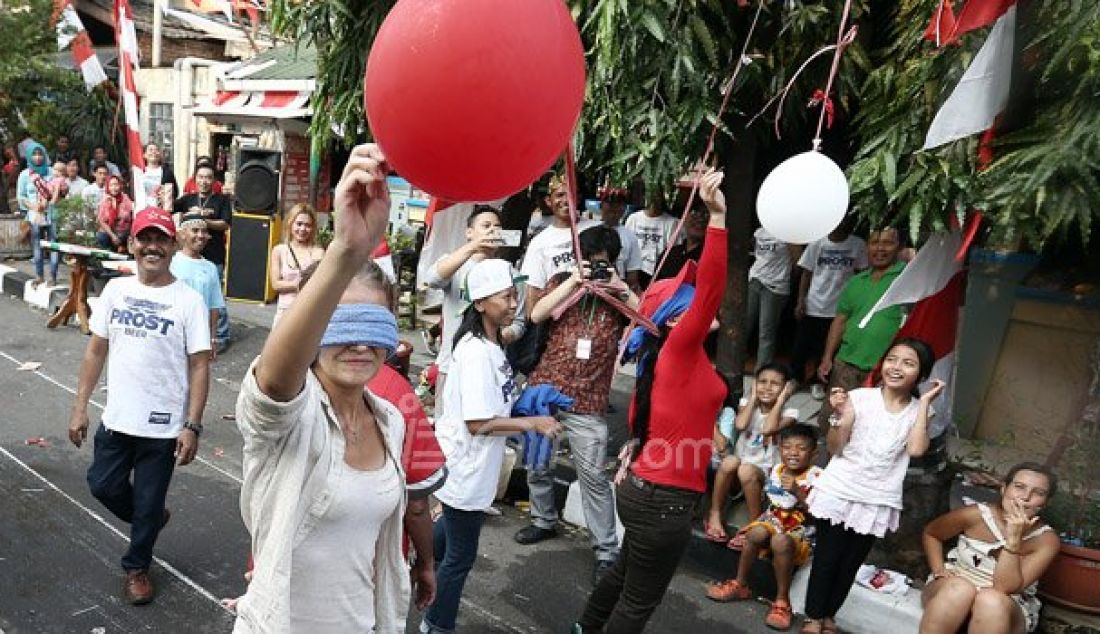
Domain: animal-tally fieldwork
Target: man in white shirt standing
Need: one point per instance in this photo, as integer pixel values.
(448, 274)
(154, 332)
(551, 251)
(769, 288)
(654, 228)
(93, 192)
(629, 263)
(826, 265)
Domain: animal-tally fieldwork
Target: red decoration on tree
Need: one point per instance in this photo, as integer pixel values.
(819, 97)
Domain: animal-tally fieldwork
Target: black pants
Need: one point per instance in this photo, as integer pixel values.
(658, 528)
(838, 554)
(809, 344)
(141, 504)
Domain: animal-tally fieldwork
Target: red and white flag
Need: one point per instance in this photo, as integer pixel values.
(128, 58)
(982, 93)
(71, 34)
(934, 282)
(384, 259)
(446, 224)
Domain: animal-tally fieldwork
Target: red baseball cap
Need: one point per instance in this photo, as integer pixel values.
(154, 217)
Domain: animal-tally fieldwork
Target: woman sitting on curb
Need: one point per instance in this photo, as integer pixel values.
(989, 578)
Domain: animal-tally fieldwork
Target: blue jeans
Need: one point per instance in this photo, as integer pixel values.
(456, 536)
(223, 313)
(44, 232)
(141, 504)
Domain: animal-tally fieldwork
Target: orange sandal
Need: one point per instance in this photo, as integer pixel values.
(728, 590)
(779, 617)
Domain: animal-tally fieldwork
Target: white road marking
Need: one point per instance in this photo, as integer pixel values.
(98, 518)
(484, 613)
(70, 390)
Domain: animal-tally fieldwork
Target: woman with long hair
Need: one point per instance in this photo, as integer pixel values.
(676, 401)
(115, 215)
(298, 253)
(472, 431)
(873, 432)
(991, 575)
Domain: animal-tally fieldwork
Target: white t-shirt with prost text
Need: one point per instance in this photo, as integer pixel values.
(832, 265)
(151, 331)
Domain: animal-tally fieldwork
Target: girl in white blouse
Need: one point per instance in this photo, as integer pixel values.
(872, 434)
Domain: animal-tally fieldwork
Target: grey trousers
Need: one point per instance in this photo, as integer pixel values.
(587, 436)
(764, 310)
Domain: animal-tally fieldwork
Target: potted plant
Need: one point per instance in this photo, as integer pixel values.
(1073, 579)
(75, 221)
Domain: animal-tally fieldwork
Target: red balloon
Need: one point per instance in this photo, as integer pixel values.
(472, 100)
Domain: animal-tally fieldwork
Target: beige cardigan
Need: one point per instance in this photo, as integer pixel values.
(289, 453)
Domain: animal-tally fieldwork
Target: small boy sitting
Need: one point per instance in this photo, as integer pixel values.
(785, 528)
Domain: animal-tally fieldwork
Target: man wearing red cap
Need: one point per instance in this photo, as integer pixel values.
(154, 331)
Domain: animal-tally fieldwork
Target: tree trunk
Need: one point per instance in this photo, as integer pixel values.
(739, 187)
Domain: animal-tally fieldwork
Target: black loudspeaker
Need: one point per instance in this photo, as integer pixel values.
(257, 187)
(248, 260)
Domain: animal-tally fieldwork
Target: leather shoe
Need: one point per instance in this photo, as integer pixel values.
(533, 534)
(139, 587)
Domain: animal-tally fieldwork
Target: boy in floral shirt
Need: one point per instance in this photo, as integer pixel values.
(785, 528)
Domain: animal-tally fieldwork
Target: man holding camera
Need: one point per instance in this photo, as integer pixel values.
(483, 239)
(579, 361)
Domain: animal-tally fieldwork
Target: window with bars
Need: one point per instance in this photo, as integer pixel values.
(160, 127)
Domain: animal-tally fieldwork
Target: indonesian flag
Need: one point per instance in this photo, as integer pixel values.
(934, 282)
(71, 33)
(982, 93)
(384, 259)
(128, 56)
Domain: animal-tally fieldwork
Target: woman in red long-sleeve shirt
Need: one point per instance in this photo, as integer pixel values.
(676, 401)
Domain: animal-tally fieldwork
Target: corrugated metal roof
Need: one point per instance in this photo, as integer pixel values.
(291, 62)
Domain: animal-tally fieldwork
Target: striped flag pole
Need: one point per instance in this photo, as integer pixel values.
(128, 58)
(70, 32)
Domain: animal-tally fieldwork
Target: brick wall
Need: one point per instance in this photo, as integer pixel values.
(172, 49)
(296, 175)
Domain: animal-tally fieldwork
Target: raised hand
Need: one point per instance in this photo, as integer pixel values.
(710, 191)
(937, 388)
(362, 202)
(1017, 525)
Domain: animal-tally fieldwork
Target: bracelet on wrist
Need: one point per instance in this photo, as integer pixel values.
(1006, 549)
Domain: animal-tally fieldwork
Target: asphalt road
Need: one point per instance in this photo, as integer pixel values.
(60, 549)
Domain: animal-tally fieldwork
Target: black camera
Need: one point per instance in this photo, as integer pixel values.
(601, 271)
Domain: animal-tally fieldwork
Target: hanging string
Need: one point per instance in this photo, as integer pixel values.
(842, 41)
(727, 92)
(601, 289)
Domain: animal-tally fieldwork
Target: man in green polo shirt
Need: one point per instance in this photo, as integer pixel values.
(850, 351)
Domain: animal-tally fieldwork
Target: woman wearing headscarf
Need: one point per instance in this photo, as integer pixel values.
(677, 398)
(34, 197)
(324, 491)
(115, 215)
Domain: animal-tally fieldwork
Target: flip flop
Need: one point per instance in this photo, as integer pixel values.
(718, 536)
(737, 543)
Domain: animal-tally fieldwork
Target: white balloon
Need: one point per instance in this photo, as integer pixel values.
(803, 199)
